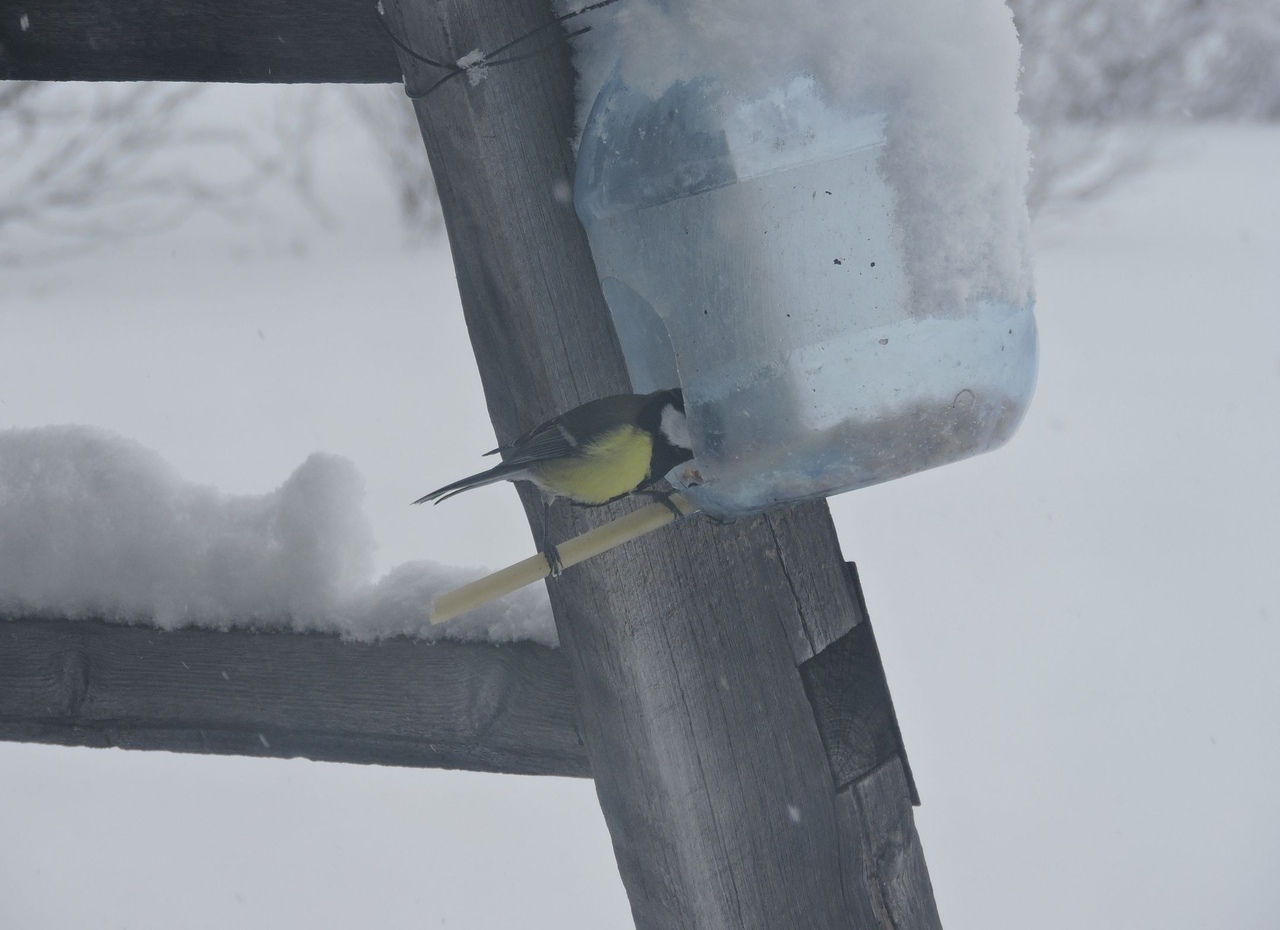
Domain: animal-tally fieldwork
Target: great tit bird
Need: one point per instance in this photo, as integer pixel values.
(599, 452)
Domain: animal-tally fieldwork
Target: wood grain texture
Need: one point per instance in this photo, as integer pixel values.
(879, 835)
(501, 151)
(828, 602)
(404, 702)
(683, 645)
(849, 694)
(314, 41)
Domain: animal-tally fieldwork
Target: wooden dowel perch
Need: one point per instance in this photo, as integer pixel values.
(591, 543)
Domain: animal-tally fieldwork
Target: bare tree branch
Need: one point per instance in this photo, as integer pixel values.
(388, 116)
(1095, 70)
(85, 163)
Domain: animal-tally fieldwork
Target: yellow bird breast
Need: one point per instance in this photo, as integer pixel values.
(609, 467)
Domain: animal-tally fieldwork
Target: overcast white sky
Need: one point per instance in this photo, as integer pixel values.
(1079, 631)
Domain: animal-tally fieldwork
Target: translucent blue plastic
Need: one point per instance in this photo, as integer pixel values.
(749, 252)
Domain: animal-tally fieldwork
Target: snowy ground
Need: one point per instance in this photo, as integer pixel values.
(1080, 630)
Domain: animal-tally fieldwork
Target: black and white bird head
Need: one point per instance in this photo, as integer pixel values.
(670, 430)
(672, 424)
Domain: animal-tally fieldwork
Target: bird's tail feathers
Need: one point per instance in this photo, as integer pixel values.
(504, 472)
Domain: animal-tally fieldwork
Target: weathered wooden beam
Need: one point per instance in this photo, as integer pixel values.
(285, 41)
(508, 708)
(849, 694)
(684, 646)
(87, 683)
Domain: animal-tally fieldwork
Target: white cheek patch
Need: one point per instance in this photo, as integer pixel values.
(674, 427)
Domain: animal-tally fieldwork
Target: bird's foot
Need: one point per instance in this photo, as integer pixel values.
(552, 555)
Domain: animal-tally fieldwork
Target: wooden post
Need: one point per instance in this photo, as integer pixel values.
(685, 646)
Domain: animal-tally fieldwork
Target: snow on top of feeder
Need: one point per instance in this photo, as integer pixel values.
(943, 73)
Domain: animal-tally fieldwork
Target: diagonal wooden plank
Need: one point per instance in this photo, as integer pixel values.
(488, 708)
(711, 772)
(878, 835)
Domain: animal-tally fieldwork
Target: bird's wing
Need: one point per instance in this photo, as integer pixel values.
(549, 441)
(564, 435)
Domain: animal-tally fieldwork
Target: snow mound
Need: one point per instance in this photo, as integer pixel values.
(95, 525)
